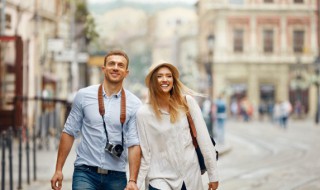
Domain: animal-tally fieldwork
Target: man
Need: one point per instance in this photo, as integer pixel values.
(221, 115)
(100, 164)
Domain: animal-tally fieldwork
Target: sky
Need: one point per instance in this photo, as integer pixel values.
(145, 1)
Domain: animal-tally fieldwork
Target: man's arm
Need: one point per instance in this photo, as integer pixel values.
(66, 142)
(134, 157)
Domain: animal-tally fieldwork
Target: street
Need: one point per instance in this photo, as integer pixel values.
(262, 156)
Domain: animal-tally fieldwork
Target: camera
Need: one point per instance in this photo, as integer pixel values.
(115, 150)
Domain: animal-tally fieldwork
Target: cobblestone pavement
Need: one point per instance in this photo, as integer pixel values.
(265, 156)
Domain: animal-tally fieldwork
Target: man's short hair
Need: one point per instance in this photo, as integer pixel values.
(116, 52)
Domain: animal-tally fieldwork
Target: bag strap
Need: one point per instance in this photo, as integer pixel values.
(192, 127)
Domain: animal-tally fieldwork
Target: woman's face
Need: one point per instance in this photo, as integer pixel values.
(165, 79)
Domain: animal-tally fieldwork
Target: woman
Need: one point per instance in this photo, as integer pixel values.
(169, 159)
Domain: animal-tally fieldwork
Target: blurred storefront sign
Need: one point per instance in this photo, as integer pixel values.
(55, 45)
(96, 60)
(70, 56)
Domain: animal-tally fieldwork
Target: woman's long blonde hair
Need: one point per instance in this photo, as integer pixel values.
(176, 101)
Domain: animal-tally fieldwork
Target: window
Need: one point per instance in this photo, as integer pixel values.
(238, 40)
(298, 1)
(236, 2)
(178, 22)
(298, 41)
(8, 21)
(268, 41)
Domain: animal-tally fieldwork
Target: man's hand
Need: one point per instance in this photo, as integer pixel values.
(213, 185)
(131, 186)
(57, 178)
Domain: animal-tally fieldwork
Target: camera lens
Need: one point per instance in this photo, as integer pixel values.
(118, 148)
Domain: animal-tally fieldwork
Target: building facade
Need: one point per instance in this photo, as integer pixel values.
(262, 50)
(38, 23)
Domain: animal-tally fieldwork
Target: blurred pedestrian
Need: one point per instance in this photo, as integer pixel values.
(270, 107)
(168, 154)
(262, 110)
(208, 115)
(220, 119)
(277, 113)
(285, 110)
(102, 153)
(298, 109)
(234, 108)
(246, 109)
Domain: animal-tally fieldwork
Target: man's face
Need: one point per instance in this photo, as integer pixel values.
(115, 69)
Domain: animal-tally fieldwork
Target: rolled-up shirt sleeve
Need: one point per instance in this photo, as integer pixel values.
(132, 134)
(204, 141)
(74, 121)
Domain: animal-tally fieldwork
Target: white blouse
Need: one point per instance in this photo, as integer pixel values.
(168, 155)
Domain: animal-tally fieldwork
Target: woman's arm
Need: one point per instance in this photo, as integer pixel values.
(146, 156)
(203, 138)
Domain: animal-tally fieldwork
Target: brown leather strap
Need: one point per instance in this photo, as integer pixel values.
(123, 104)
(192, 127)
(100, 101)
(123, 107)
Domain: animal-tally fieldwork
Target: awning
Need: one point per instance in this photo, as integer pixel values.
(96, 60)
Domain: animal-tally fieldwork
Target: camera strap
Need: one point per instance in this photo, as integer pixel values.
(122, 110)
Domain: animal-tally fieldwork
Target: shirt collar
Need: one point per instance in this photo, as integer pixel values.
(117, 95)
(164, 112)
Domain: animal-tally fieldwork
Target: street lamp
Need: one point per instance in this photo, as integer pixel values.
(209, 68)
(317, 67)
(298, 83)
(209, 65)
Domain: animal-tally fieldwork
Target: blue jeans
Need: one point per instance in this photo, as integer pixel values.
(283, 121)
(85, 178)
(220, 130)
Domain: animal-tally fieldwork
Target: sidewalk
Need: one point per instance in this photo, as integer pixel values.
(46, 167)
(45, 162)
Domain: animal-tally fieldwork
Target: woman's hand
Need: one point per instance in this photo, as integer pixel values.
(213, 185)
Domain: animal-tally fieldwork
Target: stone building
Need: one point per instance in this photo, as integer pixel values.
(262, 49)
(44, 28)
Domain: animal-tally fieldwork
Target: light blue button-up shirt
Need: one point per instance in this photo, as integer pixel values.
(85, 122)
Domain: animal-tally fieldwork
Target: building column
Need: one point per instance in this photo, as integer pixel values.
(253, 35)
(283, 35)
(312, 100)
(282, 91)
(253, 86)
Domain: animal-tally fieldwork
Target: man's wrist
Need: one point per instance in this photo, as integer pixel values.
(132, 180)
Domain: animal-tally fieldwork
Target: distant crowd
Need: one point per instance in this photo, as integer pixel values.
(216, 112)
